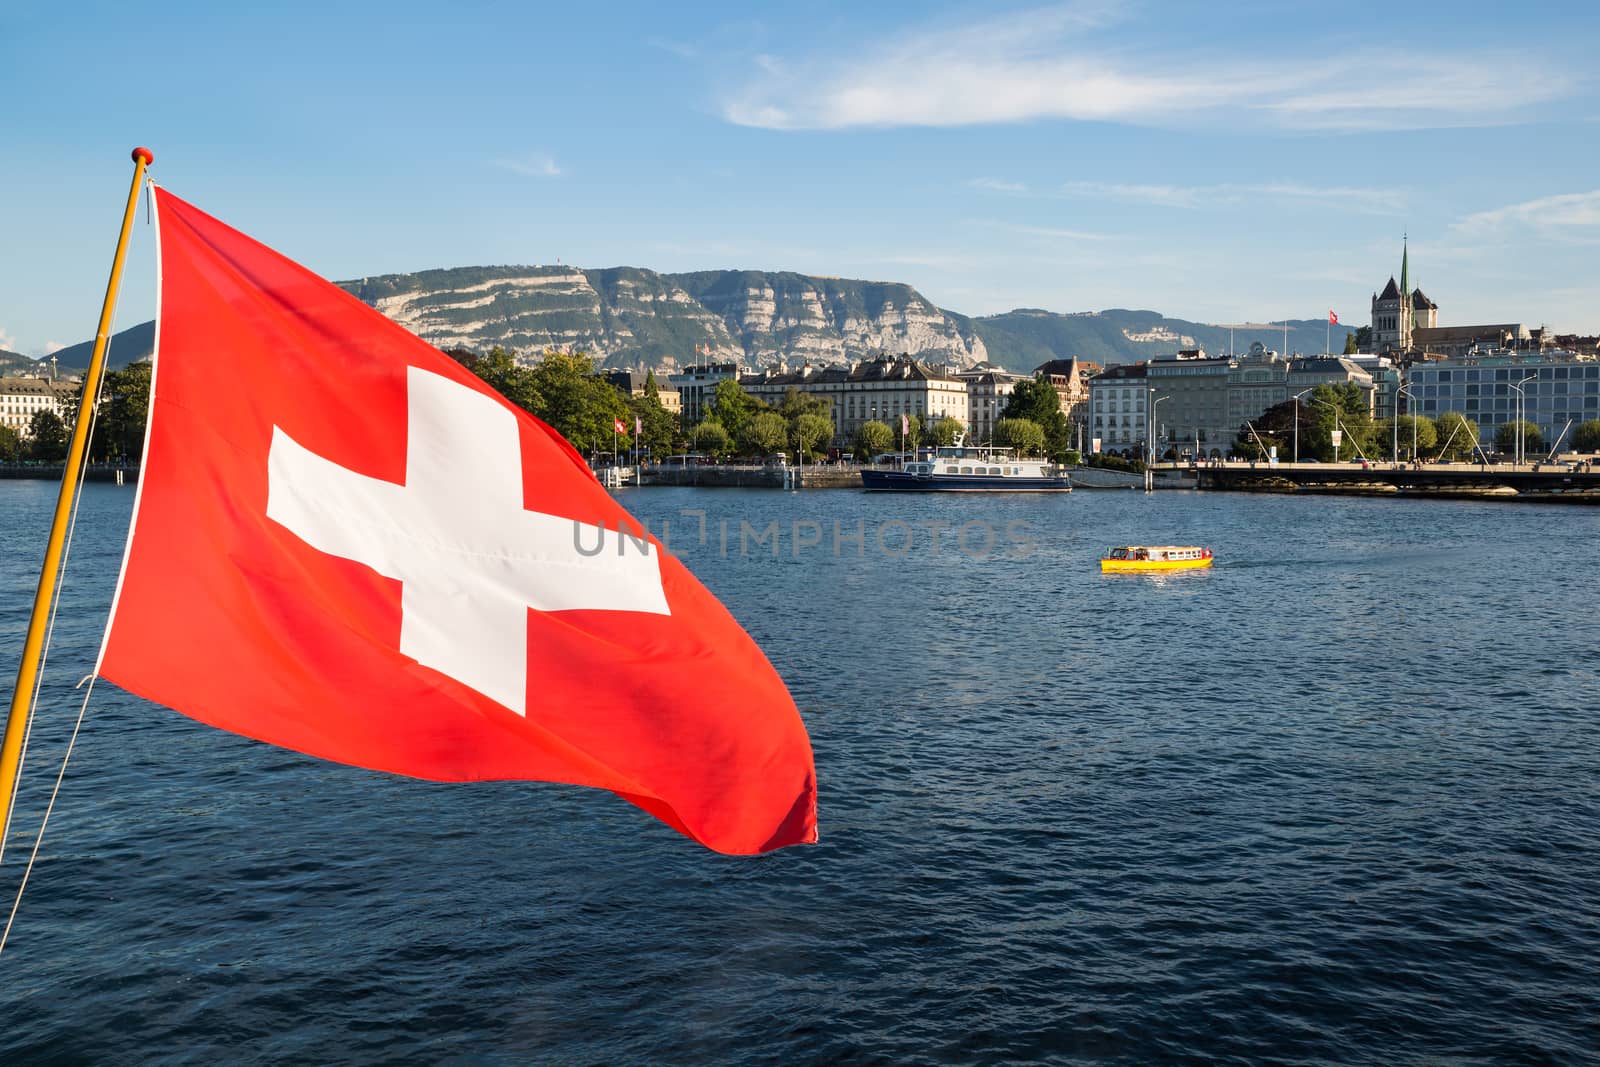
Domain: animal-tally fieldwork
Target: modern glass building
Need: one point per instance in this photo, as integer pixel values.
(1551, 390)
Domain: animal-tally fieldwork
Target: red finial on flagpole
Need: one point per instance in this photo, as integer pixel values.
(145, 155)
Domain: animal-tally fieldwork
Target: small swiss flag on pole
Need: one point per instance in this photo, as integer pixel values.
(1333, 319)
(347, 544)
(619, 426)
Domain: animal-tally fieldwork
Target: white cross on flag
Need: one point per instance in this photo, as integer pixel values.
(347, 544)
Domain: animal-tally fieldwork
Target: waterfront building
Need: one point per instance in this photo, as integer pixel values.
(632, 383)
(697, 386)
(1200, 403)
(1257, 380)
(1386, 382)
(879, 389)
(1308, 373)
(1189, 402)
(21, 397)
(1117, 403)
(1070, 379)
(1558, 390)
(989, 389)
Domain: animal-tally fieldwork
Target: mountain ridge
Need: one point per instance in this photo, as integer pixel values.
(636, 317)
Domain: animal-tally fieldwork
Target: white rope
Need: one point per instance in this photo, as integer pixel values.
(44, 656)
(38, 840)
(50, 627)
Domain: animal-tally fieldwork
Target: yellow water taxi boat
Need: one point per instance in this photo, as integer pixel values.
(1154, 558)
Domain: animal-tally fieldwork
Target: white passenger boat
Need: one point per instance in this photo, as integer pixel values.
(964, 468)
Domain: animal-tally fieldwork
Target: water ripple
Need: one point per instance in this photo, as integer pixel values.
(1334, 801)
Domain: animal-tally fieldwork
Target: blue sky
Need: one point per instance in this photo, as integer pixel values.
(1213, 162)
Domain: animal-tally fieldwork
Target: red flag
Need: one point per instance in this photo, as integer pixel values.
(345, 543)
(1333, 319)
(618, 424)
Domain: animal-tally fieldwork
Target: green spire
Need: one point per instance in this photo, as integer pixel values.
(1405, 272)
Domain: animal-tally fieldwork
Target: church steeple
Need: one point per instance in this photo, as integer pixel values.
(1405, 267)
(1407, 319)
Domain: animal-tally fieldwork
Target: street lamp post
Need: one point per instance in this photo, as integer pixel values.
(1402, 391)
(1150, 430)
(799, 454)
(1336, 425)
(1297, 397)
(1516, 448)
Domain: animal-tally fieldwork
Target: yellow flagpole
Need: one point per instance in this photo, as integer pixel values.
(16, 722)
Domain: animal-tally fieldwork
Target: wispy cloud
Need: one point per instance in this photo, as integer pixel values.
(1554, 216)
(1161, 195)
(1051, 233)
(7, 341)
(1414, 91)
(677, 48)
(996, 185)
(1372, 201)
(1060, 63)
(531, 166)
(52, 347)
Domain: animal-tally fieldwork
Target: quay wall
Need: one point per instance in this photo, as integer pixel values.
(730, 476)
(52, 472)
(1455, 481)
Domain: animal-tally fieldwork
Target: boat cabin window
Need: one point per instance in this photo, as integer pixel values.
(966, 470)
(950, 470)
(1119, 553)
(996, 470)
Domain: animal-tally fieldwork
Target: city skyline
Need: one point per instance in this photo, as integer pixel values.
(1216, 165)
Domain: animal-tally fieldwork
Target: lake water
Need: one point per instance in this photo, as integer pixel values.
(1336, 800)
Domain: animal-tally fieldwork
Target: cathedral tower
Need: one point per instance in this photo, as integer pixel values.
(1399, 310)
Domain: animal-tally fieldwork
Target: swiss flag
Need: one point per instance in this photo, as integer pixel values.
(617, 424)
(1333, 319)
(345, 543)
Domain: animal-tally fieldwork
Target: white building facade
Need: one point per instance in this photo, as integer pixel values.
(20, 398)
(1118, 397)
(880, 389)
(1199, 404)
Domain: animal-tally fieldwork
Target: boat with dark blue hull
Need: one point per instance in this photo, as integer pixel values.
(970, 469)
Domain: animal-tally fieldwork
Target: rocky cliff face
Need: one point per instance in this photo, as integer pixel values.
(634, 316)
(626, 316)
(781, 317)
